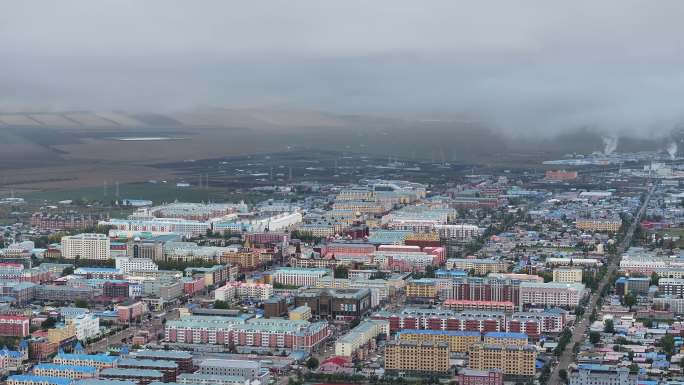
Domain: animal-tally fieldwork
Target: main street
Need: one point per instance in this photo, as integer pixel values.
(579, 334)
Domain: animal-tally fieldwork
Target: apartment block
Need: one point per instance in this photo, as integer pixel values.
(515, 361)
(416, 357)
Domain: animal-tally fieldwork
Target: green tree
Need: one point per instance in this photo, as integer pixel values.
(634, 368)
(654, 279)
(629, 300)
(341, 272)
(563, 374)
(221, 305)
(79, 302)
(594, 337)
(50, 322)
(608, 326)
(312, 363)
(667, 343)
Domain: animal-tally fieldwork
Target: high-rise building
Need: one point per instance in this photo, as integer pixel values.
(86, 246)
(416, 357)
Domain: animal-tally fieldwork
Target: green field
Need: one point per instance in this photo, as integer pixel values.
(157, 193)
(677, 232)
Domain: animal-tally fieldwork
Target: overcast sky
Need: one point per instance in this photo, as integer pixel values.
(526, 66)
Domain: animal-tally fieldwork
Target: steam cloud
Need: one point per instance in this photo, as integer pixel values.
(609, 144)
(672, 150)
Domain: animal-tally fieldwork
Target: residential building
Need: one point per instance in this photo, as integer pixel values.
(362, 335)
(32, 379)
(14, 325)
(129, 264)
(300, 313)
(567, 275)
(505, 338)
(86, 246)
(297, 277)
(458, 341)
(586, 374)
(514, 360)
(425, 358)
(460, 305)
(99, 361)
(86, 326)
(65, 371)
(480, 377)
(551, 294)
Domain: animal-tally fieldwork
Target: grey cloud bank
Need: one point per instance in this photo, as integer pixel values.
(525, 67)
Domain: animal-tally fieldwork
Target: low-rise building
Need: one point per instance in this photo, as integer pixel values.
(586, 374)
(480, 377)
(65, 371)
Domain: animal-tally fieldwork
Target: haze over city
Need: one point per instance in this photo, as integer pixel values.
(613, 66)
(341, 192)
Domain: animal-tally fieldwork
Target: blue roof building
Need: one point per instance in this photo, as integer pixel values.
(30, 379)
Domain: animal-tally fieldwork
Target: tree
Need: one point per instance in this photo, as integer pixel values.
(312, 363)
(654, 279)
(218, 304)
(79, 302)
(667, 343)
(68, 271)
(594, 337)
(634, 368)
(50, 322)
(341, 272)
(629, 300)
(563, 374)
(608, 326)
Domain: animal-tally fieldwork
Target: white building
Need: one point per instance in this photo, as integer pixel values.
(244, 290)
(129, 264)
(601, 375)
(86, 246)
(365, 333)
(551, 293)
(461, 231)
(158, 226)
(297, 277)
(87, 326)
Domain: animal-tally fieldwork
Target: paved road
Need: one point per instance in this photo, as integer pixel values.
(153, 326)
(580, 331)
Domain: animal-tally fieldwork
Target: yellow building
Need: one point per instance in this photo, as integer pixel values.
(421, 288)
(505, 339)
(567, 275)
(64, 371)
(245, 258)
(458, 341)
(57, 335)
(513, 360)
(416, 357)
(599, 224)
(478, 266)
(301, 313)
